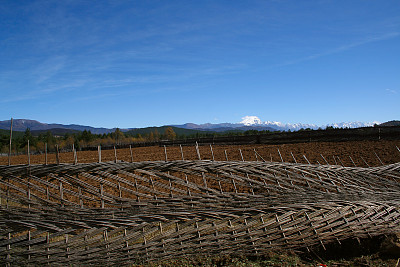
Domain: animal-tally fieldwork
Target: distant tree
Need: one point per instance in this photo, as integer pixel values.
(156, 135)
(28, 136)
(169, 133)
(151, 137)
(118, 136)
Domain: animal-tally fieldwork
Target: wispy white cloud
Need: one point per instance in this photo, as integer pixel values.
(391, 91)
(343, 48)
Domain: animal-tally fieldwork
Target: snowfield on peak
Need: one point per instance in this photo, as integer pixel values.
(251, 120)
(256, 121)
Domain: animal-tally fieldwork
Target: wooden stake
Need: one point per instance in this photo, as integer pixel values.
(378, 158)
(45, 153)
(102, 193)
(197, 150)
(75, 155)
(241, 155)
(99, 152)
(280, 155)
(365, 162)
(115, 154)
(165, 152)
(61, 194)
(57, 155)
(212, 152)
(180, 146)
(306, 159)
(9, 151)
(259, 155)
(130, 149)
(324, 159)
(352, 162)
(29, 155)
(295, 161)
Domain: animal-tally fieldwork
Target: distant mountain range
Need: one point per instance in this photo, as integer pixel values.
(247, 123)
(254, 123)
(22, 124)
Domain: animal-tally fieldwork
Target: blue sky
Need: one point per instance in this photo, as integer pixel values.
(151, 63)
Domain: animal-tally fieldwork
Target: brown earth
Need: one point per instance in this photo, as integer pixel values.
(362, 153)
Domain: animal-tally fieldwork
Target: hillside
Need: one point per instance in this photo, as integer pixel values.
(390, 123)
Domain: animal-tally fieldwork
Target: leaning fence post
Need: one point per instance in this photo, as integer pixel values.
(197, 150)
(295, 161)
(306, 159)
(259, 155)
(280, 155)
(378, 158)
(212, 152)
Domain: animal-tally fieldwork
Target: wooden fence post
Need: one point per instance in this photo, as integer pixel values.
(57, 155)
(99, 152)
(165, 153)
(29, 155)
(9, 151)
(130, 149)
(45, 153)
(198, 151)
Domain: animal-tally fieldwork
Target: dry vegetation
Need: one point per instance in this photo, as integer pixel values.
(181, 210)
(360, 152)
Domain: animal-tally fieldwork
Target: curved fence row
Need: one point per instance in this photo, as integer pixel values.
(120, 213)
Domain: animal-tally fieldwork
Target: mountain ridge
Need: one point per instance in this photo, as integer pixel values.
(247, 123)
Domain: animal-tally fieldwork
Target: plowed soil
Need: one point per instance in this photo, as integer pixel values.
(357, 153)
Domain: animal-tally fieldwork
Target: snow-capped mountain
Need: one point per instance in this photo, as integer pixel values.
(254, 120)
(251, 120)
(247, 123)
(255, 123)
(356, 124)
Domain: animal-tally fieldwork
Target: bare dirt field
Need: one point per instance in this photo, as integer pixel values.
(362, 153)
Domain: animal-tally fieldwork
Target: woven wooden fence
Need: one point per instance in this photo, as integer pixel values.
(120, 213)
